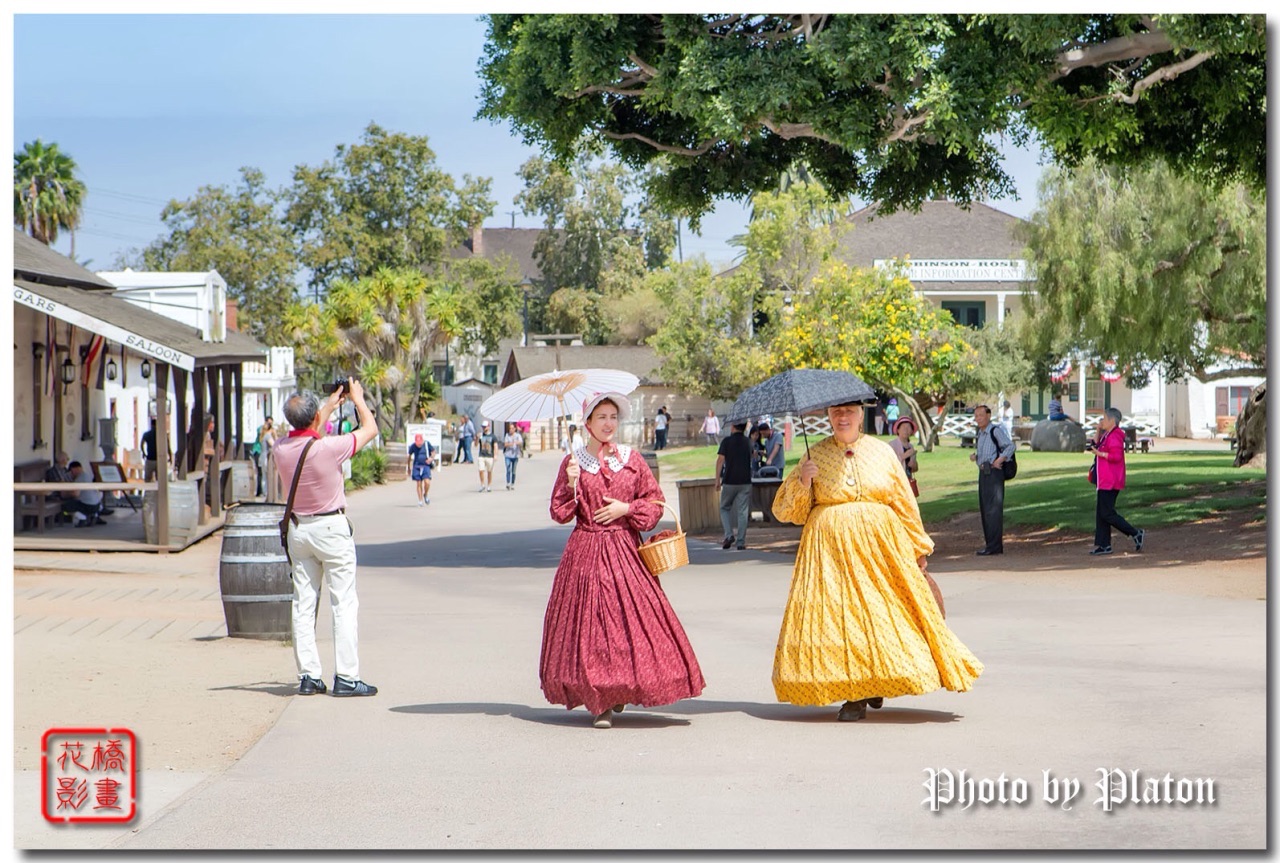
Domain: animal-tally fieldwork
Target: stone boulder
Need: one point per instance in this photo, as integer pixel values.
(1058, 436)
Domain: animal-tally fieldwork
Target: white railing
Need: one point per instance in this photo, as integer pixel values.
(958, 424)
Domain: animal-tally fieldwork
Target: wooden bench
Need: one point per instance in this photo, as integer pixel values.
(1234, 441)
(34, 504)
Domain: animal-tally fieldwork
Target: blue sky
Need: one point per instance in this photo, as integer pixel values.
(152, 107)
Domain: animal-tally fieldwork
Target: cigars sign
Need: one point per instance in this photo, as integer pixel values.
(131, 340)
(962, 269)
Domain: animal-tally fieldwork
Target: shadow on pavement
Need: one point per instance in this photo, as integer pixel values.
(633, 716)
(270, 688)
(658, 717)
(795, 713)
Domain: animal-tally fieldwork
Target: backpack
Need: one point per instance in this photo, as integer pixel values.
(1010, 466)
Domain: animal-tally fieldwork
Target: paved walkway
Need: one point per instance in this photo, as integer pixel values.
(460, 750)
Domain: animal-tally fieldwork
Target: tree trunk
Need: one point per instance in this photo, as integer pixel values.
(929, 427)
(1251, 430)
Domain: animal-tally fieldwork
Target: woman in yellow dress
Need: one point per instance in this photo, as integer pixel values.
(861, 623)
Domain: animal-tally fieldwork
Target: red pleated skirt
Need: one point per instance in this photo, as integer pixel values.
(610, 636)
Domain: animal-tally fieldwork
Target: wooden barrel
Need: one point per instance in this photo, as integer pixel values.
(184, 513)
(257, 587)
(651, 459)
(397, 458)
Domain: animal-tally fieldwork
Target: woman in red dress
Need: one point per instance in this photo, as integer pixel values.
(610, 638)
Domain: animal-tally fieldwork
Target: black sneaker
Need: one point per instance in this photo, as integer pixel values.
(742, 548)
(310, 686)
(1138, 538)
(1102, 549)
(728, 541)
(344, 688)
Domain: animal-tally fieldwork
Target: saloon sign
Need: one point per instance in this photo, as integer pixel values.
(963, 270)
(133, 341)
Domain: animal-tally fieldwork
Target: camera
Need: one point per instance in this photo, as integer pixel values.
(339, 386)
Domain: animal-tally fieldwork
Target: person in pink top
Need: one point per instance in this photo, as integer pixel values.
(321, 540)
(1108, 448)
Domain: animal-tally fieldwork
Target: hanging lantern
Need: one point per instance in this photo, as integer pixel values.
(146, 369)
(112, 371)
(67, 373)
(1110, 372)
(1060, 371)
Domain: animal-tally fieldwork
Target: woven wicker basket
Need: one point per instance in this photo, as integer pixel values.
(666, 554)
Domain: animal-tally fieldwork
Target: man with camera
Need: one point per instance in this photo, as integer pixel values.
(320, 538)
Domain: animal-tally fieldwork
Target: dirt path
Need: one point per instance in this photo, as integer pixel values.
(1225, 556)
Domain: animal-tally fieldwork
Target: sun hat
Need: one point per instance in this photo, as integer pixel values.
(623, 403)
(901, 420)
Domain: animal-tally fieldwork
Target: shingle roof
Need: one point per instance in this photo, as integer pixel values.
(640, 360)
(942, 229)
(36, 262)
(517, 243)
(64, 282)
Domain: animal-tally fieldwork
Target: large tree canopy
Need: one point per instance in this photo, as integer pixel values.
(47, 194)
(382, 203)
(1150, 269)
(893, 108)
(239, 233)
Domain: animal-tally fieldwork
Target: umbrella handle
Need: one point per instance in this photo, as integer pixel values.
(573, 459)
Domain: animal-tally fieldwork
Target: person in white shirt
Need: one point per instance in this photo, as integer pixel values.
(711, 427)
(1006, 418)
(86, 507)
(660, 428)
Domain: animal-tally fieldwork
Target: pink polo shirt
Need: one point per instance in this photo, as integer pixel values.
(320, 489)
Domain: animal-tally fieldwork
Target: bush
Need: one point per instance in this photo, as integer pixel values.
(369, 466)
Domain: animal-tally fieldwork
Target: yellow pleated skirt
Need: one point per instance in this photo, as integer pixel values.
(860, 620)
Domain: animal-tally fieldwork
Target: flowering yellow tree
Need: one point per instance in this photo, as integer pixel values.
(871, 323)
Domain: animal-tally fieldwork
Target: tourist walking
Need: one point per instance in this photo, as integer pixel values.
(422, 456)
(486, 454)
(465, 433)
(320, 539)
(610, 637)
(660, 423)
(903, 429)
(262, 443)
(512, 444)
(990, 453)
(733, 481)
(1107, 448)
(711, 426)
(861, 622)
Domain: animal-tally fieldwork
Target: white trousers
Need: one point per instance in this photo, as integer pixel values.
(324, 546)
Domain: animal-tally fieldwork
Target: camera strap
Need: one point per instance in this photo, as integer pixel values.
(289, 517)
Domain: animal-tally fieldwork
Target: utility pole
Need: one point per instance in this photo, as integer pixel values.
(512, 214)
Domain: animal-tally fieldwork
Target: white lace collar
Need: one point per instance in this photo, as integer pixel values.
(591, 464)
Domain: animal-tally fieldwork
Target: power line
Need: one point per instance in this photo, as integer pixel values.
(124, 217)
(127, 196)
(110, 235)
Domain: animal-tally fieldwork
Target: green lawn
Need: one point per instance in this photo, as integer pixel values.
(1051, 489)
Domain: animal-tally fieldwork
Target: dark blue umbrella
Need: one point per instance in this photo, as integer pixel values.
(798, 391)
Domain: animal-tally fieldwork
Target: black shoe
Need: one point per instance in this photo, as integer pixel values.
(1102, 549)
(344, 688)
(986, 551)
(742, 547)
(1138, 538)
(97, 521)
(852, 711)
(728, 541)
(310, 686)
(875, 703)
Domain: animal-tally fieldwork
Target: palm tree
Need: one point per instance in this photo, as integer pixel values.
(47, 195)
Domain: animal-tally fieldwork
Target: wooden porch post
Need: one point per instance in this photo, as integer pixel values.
(228, 426)
(162, 455)
(180, 420)
(214, 472)
(237, 376)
